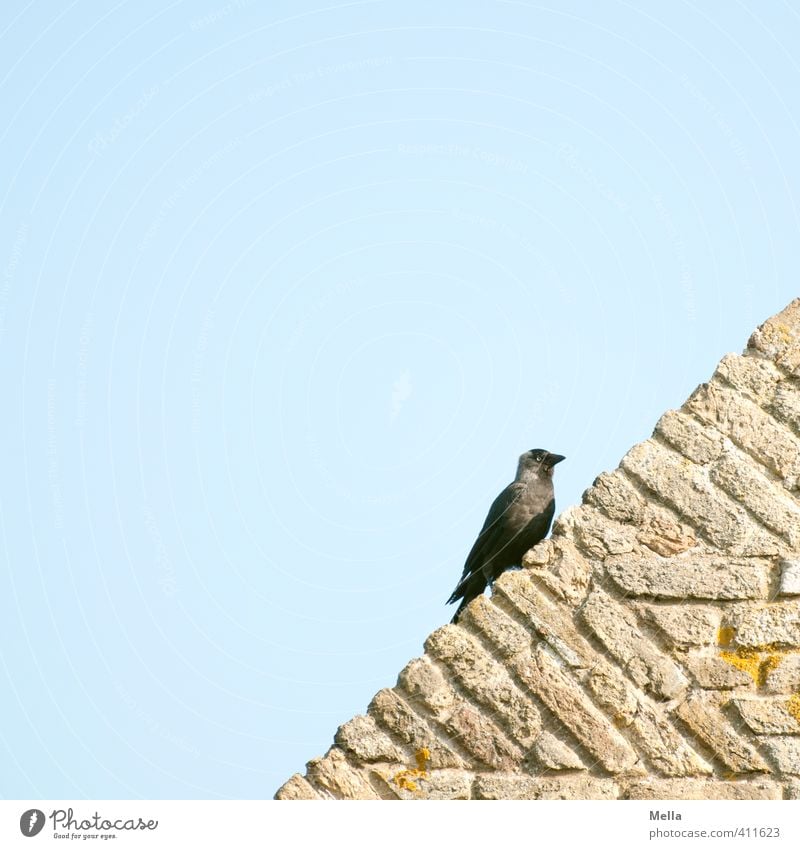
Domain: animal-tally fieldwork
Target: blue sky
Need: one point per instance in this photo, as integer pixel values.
(287, 288)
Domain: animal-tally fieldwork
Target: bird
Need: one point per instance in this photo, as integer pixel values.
(518, 518)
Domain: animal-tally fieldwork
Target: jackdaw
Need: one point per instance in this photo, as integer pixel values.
(519, 518)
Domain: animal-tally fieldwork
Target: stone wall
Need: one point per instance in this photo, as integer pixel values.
(650, 649)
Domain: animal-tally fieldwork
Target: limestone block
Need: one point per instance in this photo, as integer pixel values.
(362, 738)
(769, 716)
(790, 577)
(779, 337)
(614, 494)
(686, 487)
(487, 681)
(756, 378)
(296, 788)
(754, 430)
(332, 773)
(784, 677)
(684, 626)
(562, 695)
(785, 753)
(616, 627)
(690, 576)
(508, 637)
(463, 722)
(772, 624)
(703, 715)
(565, 571)
(699, 443)
(552, 753)
(389, 709)
(714, 673)
(523, 787)
(655, 788)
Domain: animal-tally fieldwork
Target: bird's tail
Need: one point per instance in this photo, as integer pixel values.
(467, 591)
(464, 603)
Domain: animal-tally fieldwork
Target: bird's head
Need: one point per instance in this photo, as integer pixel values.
(537, 461)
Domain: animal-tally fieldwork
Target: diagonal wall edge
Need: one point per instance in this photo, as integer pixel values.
(650, 649)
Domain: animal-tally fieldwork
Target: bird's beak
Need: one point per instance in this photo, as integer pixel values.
(552, 459)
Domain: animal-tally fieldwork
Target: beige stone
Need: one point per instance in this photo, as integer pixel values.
(616, 627)
(655, 788)
(752, 429)
(552, 753)
(297, 788)
(362, 738)
(548, 680)
(523, 787)
(769, 716)
(790, 577)
(771, 624)
(784, 676)
(703, 715)
(778, 337)
(715, 673)
(333, 775)
(487, 681)
(418, 785)
(691, 576)
(464, 724)
(564, 571)
(784, 752)
(392, 712)
(686, 487)
(686, 625)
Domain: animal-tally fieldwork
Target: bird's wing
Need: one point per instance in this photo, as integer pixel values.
(486, 543)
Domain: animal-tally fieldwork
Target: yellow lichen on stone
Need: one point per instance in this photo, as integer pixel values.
(793, 707)
(405, 778)
(757, 662)
(769, 663)
(422, 757)
(745, 659)
(725, 635)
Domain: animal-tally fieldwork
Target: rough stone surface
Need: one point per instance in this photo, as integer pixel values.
(488, 681)
(701, 713)
(769, 716)
(779, 338)
(616, 627)
(654, 788)
(552, 753)
(362, 738)
(684, 626)
(784, 752)
(749, 427)
(297, 788)
(686, 488)
(714, 673)
(771, 624)
(790, 577)
(649, 649)
(699, 443)
(690, 576)
(439, 784)
(522, 787)
(391, 711)
(561, 568)
(336, 778)
(462, 721)
(784, 677)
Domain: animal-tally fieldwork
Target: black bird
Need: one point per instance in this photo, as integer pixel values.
(519, 518)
